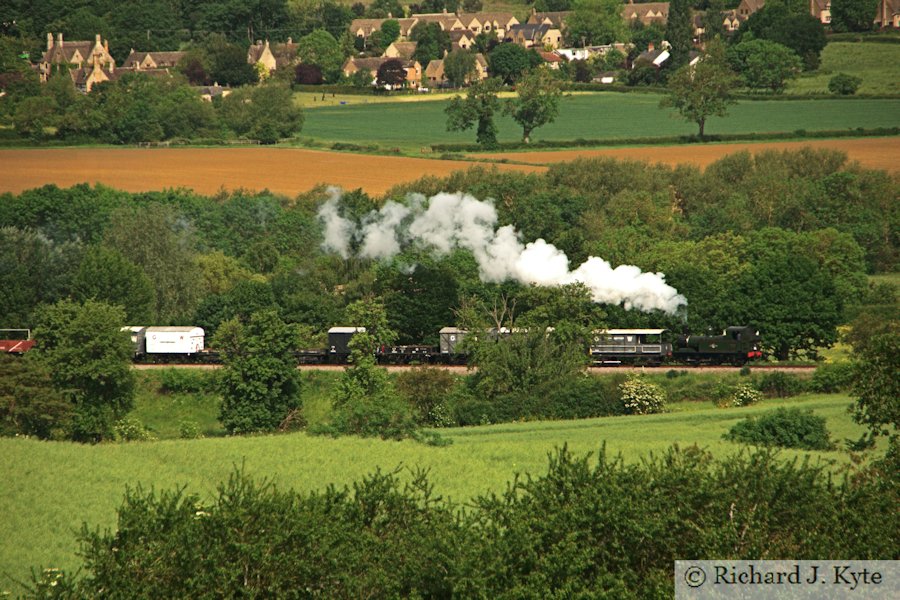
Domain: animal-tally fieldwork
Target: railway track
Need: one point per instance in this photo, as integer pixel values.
(464, 369)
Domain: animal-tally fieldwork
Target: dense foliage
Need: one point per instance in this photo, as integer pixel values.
(586, 528)
(259, 381)
(784, 427)
(778, 240)
(89, 361)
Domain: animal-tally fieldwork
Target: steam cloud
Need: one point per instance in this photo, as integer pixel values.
(448, 221)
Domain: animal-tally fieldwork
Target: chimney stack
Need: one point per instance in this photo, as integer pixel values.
(49, 41)
(650, 47)
(59, 40)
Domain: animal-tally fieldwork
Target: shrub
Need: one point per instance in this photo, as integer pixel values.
(467, 408)
(844, 85)
(745, 395)
(189, 430)
(29, 403)
(130, 429)
(582, 397)
(386, 416)
(641, 397)
(830, 378)
(785, 427)
(779, 384)
(426, 389)
(186, 381)
(587, 528)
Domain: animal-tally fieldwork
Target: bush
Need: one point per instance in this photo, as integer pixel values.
(29, 403)
(186, 381)
(467, 409)
(130, 429)
(831, 378)
(587, 528)
(386, 416)
(745, 395)
(640, 397)
(843, 84)
(785, 427)
(426, 389)
(778, 384)
(189, 430)
(582, 397)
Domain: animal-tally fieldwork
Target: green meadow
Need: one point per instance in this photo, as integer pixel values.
(50, 488)
(410, 126)
(876, 64)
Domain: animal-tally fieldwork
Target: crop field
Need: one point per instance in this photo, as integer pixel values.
(207, 170)
(50, 488)
(410, 126)
(876, 64)
(291, 171)
(871, 153)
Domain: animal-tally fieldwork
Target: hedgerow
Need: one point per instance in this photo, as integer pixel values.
(587, 528)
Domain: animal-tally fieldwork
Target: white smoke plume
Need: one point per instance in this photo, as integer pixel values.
(447, 221)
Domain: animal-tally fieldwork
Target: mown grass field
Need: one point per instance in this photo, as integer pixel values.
(51, 488)
(410, 126)
(877, 65)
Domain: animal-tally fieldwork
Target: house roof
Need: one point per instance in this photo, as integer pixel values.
(529, 31)
(550, 57)
(556, 18)
(648, 12)
(374, 63)
(64, 53)
(435, 69)
(500, 18)
(446, 20)
(752, 5)
(161, 59)
(404, 50)
(368, 26)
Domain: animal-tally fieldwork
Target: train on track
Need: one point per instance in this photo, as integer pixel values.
(649, 347)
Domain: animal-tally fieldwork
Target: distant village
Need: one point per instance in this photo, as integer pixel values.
(90, 62)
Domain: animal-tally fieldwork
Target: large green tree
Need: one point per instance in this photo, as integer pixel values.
(322, 49)
(431, 42)
(680, 32)
(877, 385)
(536, 102)
(853, 15)
(509, 61)
(594, 22)
(703, 90)
(155, 239)
(29, 402)
(265, 112)
(459, 67)
(789, 24)
(764, 64)
(105, 275)
(89, 359)
(479, 106)
(259, 381)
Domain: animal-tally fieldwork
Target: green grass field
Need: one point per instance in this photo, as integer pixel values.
(413, 125)
(876, 64)
(51, 488)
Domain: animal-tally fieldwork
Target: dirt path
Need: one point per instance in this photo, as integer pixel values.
(286, 171)
(872, 153)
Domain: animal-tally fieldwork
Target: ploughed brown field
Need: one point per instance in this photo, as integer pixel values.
(872, 153)
(207, 170)
(292, 171)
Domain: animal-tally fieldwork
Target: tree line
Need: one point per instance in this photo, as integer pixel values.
(780, 239)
